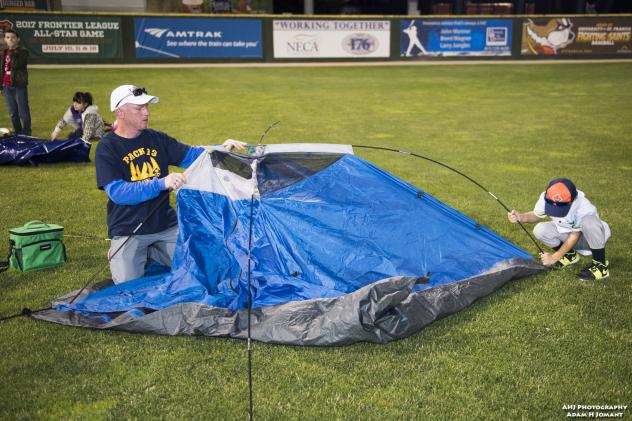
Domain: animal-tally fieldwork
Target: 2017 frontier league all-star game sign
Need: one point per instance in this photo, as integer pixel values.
(68, 37)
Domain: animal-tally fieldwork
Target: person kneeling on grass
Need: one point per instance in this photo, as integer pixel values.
(132, 164)
(575, 226)
(83, 117)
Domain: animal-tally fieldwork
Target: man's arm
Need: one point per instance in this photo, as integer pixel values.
(130, 193)
(195, 151)
(124, 192)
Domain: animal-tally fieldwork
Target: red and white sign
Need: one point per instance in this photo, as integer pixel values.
(70, 48)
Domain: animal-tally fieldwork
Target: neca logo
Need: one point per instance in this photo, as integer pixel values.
(303, 44)
(159, 32)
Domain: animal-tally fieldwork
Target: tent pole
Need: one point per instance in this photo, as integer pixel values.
(93, 277)
(252, 200)
(266, 132)
(461, 174)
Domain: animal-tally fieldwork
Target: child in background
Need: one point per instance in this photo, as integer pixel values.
(83, 117)
(575, 226)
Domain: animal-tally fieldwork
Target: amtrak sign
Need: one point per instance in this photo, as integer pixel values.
(197, 38)
(168, 33)
(331, 38)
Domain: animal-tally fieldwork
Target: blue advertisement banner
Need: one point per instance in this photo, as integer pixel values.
(455, 37)
(197, 38)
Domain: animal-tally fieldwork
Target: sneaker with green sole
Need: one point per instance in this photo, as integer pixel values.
(595, 271)
(569, 258)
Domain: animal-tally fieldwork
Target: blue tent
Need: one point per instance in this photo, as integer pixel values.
(341, 251)
(21, 150)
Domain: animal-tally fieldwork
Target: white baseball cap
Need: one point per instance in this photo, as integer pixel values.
(130, 94)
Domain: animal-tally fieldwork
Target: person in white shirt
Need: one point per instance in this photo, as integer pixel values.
(575, 227)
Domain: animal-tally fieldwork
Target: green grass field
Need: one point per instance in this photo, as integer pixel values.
(522, 353)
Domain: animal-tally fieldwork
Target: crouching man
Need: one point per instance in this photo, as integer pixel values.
(132, 165)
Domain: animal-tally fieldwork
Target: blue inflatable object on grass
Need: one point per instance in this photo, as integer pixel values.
(23, 150)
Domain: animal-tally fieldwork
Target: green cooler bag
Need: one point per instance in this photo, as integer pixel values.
(36, 245)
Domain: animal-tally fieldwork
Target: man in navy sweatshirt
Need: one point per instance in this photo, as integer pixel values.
(132, 164)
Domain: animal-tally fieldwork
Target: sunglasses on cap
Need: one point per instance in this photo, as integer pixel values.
(554, 203)
(134, 92)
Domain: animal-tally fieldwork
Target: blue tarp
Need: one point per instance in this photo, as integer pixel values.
(21, 150)
(319, 233)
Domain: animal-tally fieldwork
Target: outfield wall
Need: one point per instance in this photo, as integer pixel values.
(80, 38)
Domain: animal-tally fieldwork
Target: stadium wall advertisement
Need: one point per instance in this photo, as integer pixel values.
(67, 37)
(576, 35)
(103, 38)
(197, 38)
(455, 37)
(331, 38)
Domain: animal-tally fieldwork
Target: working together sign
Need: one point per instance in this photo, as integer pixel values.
(198, 38)
(68, 36)
(452, 37)
(331, 38)
(589, 35)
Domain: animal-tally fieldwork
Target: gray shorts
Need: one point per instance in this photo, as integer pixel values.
(595, 234)
(129, 262)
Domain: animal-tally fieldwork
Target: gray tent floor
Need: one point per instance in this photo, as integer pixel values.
(381, 312)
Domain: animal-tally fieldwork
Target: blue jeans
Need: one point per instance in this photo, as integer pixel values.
(17, 99)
